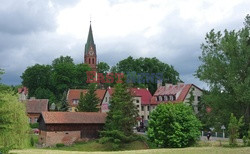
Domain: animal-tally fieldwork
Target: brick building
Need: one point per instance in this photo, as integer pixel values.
(73, 97)
(69, 127)
(34, 107)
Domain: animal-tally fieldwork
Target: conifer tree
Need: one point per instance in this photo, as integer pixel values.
(121, 118)
(64, 104)
(89, 101)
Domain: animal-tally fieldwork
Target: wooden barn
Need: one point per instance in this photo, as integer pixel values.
(69, 127)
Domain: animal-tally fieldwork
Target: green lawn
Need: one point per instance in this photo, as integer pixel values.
(192, 150)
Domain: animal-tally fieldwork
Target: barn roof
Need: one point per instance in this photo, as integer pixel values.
(75, 93)
(73, 117)
(36, 105)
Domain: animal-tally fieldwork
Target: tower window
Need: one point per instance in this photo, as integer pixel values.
(93, 61)
(89, 60)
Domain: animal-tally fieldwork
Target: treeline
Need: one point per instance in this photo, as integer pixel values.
(51, 81)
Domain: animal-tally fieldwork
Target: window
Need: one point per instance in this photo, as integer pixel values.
(198, 98)
(170, 98)
(173, 97)
(30, 120)
(148, 108)
(93, 61)
(106, 99)
(160, 98)
(75, 101)
(148, 117)
(142, 108)
(137, 101)
(89, 60)
(137, 106)
(36, 119)
(142, 117)
(157, 98)
(166, 98)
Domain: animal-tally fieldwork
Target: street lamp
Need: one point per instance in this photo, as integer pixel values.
(223, 128)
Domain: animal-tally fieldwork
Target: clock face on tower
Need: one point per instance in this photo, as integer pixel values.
(91, 53)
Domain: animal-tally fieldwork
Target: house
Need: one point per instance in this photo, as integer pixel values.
(141, 99)
(69, 127)
(23, 94)
(73, 97)
(177, 93)
(34, 107)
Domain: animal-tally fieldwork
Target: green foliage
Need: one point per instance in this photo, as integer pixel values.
(245, 140)
(34, 125)
(14, 126)
(191, 99)
(173, 125)
(32, 141)
(1, 73)
(102, 67)
(64, 106)
(59, 145)
(225, 68)
(89, 101)
(233, 128)
(50, 81)
(44, 93)
(121, 118)
(148, 65)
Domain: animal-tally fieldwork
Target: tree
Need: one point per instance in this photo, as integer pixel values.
(191, 99)
(121, 117)
(1, 73)
(225, 68)
(148, 65)
(89, 102)
(44, 93)
(233, 129)
(102, 67)
(37, 76)
(14, 126)
(173, 125)
(64, 106)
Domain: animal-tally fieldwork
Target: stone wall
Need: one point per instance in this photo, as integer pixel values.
(53, 138)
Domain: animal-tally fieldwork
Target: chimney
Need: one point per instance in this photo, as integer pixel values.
(159, 83)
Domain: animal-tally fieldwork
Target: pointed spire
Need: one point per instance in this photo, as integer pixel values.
(90, 40)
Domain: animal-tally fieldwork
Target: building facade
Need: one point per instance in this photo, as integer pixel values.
(69, 127)
(34, 108)
(177, 93)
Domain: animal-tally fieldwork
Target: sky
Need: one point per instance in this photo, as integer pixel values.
(38, 31)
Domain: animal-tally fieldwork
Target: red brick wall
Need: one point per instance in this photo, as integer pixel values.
(52, 138)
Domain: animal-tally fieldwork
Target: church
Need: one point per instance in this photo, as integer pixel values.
(90, 56)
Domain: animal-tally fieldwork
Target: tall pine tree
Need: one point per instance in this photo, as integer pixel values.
(121, 118)
(64, 104)
(89, 101)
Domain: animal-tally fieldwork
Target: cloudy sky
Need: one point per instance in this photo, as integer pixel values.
(38, 31)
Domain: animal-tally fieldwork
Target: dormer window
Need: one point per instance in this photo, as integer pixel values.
(166, 98)
(160, 98)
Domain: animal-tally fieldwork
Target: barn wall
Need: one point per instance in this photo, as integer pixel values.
(53, 138)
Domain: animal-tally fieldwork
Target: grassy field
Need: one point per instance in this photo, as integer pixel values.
(192, 150)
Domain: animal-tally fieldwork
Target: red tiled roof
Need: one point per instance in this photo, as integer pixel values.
(37, 105)
(144, 94)
(73, 117)
(180, 91)
(76, 93)
(23, 89)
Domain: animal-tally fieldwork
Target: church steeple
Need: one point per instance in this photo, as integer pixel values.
(90, 50)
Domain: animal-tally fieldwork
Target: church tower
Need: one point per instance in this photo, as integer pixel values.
(90, 51)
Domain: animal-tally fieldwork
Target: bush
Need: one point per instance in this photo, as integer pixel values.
(233, 128)
(32, 142)
(173, 125)
(34, 125)
(58, 145)
(245, 140)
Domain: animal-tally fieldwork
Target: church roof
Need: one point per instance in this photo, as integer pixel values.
(90, 41)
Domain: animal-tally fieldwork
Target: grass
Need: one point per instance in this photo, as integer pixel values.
(95, 146)
(192, 150)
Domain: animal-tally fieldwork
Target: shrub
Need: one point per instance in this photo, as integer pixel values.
(32, 142)
(34, 125)
(245, 140)
(58, 145)
(173, 125)
(233, 128)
